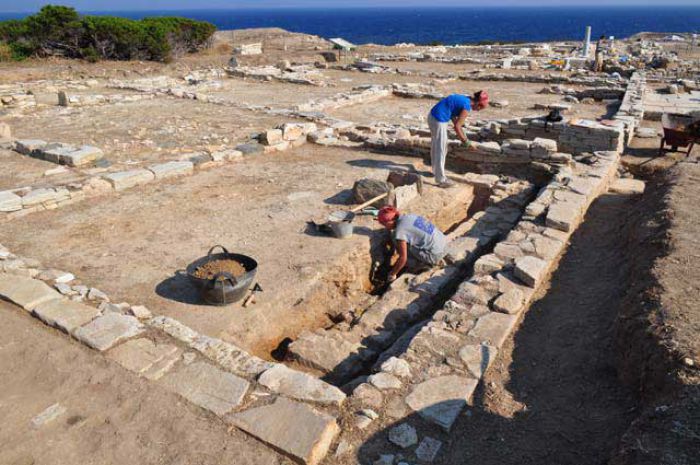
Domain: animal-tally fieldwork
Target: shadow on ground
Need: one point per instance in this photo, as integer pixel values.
(553, 395)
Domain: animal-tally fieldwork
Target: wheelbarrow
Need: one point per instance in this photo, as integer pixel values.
(680, 131)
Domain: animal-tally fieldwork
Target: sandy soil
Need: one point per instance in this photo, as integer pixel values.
(143, 131)
(21, 170)
(131, 245)
(112, 416)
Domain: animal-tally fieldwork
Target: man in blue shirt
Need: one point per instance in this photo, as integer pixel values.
(453, 108)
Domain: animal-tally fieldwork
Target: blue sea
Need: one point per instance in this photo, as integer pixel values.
(448, 25)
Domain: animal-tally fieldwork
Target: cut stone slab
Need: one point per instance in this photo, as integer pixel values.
(646, 133)
(25, 292)
(563, 216)
(440, 400)
(477, 358)
(510, 302)
(494, 328)
(37, 196)
(530, 270)
(65, 314)
(302, 386)
(208, 387)
(82, 156)
(27, 146)
(428, 449)
(172, 169)
(403, 435)
(126, 179)
(628, 186)
(290, 427)
(10, 202)
(105, 331)
(141, 355)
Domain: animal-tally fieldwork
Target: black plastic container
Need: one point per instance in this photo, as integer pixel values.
(223, 288)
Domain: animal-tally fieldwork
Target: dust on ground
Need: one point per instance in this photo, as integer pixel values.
(112, 416)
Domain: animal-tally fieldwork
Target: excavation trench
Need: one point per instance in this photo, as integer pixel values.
(369, 317)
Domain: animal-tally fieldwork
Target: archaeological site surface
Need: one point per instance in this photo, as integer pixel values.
(565, 329)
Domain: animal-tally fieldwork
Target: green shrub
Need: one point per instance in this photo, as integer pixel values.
(59, 30)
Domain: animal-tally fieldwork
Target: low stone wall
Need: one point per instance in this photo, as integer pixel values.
(340, 353)
(298, 75)
(58, 152)
(574, 136)
(434, 372)
(16, 203)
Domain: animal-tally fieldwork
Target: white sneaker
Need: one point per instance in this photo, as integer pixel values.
(446, 183)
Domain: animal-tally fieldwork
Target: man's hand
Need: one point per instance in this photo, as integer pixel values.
(469, 145)
(391, 278)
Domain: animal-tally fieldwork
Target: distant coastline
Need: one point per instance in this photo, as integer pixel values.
(445, 25)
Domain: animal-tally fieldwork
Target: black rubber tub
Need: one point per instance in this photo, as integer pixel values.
(223, 288)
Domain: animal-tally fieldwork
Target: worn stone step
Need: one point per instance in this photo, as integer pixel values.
(24, 291)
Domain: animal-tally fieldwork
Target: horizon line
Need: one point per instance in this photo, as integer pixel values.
(373, 7)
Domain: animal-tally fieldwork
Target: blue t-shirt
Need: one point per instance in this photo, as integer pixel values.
(450, 107)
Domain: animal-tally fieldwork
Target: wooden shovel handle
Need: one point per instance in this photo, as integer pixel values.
(369, 202)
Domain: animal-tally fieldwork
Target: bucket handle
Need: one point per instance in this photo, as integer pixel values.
(212, 249)
(226, 275)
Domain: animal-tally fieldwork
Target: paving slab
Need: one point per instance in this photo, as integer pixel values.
(10, 202)
(530, 270)
(628, 186)
(172, 169)
(105, 331)
(126, 179)
(302, 386)
(440, 400)
(291, 427)
(477, 358)
(64, 314)
(208, 387)
(142, 355)
(563, 216)
(24, 291)
(494, 328)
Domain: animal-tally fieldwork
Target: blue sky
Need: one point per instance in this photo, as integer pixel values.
(117, 5)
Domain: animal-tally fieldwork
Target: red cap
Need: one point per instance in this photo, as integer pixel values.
(387, 214)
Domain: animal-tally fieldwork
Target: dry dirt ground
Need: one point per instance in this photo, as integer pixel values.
(112, 416)
(132, 244)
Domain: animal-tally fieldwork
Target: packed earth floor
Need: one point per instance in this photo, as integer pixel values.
(565, 330)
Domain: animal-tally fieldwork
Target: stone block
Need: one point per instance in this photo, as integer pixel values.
(105, 331)
(441, 399)
(488, 264)
(145, 357)
(384, 381)
(293, 428)
(428, 449)
(530, 270)
(65, 314)
(271, 137)
(82, 156)
(28, 146)
(25, 292)
(251, 148)
(126, 179)
(301, 386)
(510, 302)
(10, 202)
(403, 435)
(172, 169)
(292, 131)
(494, 328)
(208, 387)
(619, 186)
(38, 196)
(477, 358)
(563, 216)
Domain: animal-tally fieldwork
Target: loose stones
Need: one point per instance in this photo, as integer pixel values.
(105, 331)
(428, 449)
(403, 435)
(208, 387)
(440, 399)
(384, 381)
(291, 427)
